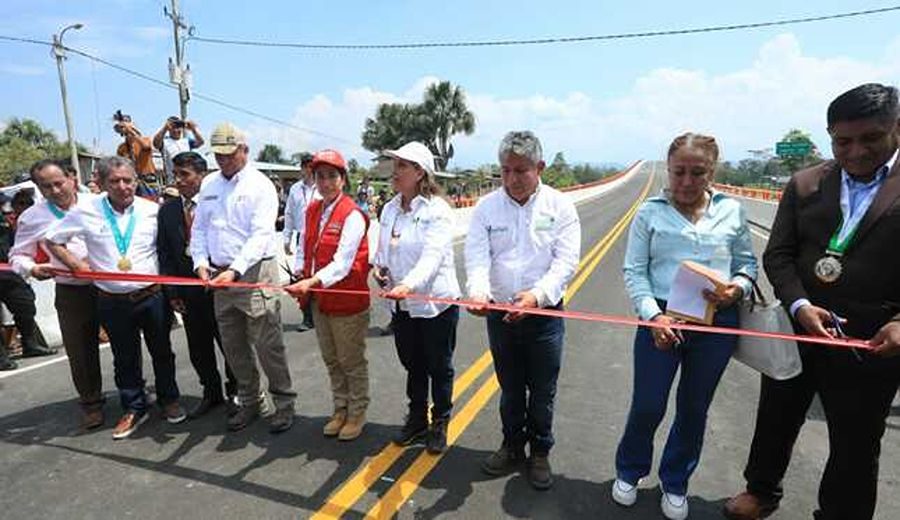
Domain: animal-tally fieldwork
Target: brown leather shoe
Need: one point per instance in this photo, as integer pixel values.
(333, 427)
(747, 506)
(91, 419)
(353, 427)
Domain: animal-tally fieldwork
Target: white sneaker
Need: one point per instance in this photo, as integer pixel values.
(624, 493)
(674, 507)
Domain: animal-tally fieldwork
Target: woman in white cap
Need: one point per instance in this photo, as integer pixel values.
(415, 256)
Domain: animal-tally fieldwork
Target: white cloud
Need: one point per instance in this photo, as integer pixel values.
(748, 108)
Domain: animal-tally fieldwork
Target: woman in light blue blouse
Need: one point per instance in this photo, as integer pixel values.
(689, 222)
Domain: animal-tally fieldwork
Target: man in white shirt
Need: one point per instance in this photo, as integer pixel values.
(522, 248)
(119, 232)
(300, 195)
(171, 140)
(76, 300)
(233, 237)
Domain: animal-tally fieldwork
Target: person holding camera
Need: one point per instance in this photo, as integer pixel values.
(139, 150)
(172, 140)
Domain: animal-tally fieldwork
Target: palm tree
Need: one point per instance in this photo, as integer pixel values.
(447, 115)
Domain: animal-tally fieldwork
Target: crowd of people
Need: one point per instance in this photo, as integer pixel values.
(830, 259)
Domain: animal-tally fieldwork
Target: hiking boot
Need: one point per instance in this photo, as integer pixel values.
(437, 437)
(353, 427)
(245, 415)
(503, 461)
(539, 474)
(334, 425)
(413, 430)
(281, 421)
(91, 419)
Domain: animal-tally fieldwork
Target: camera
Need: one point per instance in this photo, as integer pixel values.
(121, 118)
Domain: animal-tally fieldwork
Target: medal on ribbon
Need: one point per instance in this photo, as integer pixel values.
(123, 241)
(828, 269)
(58, 213)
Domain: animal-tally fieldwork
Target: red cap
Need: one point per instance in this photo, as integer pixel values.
(329, 157)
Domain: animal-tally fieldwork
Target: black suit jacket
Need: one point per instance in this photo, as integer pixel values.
(171, 244)
(868, 291)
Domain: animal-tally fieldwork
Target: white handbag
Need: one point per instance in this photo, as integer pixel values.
(776, 358)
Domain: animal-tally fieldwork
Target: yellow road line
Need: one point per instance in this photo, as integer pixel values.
(605, 244)
(354, 488)
(409, 481)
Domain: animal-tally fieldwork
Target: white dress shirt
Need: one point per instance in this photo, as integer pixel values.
(299, 197)
(351, 238)
(88, 221)
(234, 223)
(512, 247)
(417, 249)
(32, 226)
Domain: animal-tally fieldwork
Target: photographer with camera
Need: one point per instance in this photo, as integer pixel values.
(139, 150)
(172, 140)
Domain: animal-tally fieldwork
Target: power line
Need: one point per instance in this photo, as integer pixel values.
(207, 98)
(542, 41)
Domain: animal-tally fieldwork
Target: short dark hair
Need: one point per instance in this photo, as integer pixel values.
(872, 100)
(44, 163)
(192, 160)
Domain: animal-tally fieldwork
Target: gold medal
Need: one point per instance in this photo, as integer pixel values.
(828, 269)
(124, 264)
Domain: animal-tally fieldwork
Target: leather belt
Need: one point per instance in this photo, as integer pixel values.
(133, 296)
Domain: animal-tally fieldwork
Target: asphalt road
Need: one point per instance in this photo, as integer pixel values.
(196, 470)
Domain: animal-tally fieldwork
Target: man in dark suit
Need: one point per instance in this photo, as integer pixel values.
(194, 303)
(832, 260)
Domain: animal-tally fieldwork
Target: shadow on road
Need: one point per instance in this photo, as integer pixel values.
(569, 497)
(55, 426)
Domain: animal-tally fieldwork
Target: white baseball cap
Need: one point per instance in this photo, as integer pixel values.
(414, 152)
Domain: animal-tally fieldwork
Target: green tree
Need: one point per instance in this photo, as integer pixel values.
(271, 153)
(446, 114)
(25, 141)
(795, 163)
(442, 114)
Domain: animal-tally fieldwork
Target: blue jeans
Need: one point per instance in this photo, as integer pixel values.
(425, 347)
(124, 321)
(527, 356)
(702, 358)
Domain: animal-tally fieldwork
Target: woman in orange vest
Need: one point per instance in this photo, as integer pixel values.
(336, 256)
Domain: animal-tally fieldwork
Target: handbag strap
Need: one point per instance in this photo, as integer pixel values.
(756, 296)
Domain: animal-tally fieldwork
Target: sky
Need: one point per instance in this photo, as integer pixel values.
(599, 102)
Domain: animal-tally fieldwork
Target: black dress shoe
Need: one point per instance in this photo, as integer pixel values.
(36, 350)
(6, 363)
(205, 405)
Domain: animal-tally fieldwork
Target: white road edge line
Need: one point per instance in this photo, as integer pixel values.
(42, 364)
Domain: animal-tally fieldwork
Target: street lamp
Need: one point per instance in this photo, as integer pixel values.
(59, 52)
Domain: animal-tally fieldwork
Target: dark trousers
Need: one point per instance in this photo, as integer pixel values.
(702, 359)
(425, 347)
(18, 297)
(527, 356)
(124, 321)
(308, 314)
(76, 306)
(856, 395)
(202, 333)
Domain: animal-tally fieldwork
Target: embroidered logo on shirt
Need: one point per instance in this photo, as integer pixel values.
(544, 222)
(497, 229)
(210, 197)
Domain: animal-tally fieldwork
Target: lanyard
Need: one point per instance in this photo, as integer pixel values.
(122, 241)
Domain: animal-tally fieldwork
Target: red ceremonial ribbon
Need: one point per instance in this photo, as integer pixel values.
(573, 315)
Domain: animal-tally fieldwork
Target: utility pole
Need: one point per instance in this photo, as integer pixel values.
(59, 52)
(179, 74)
